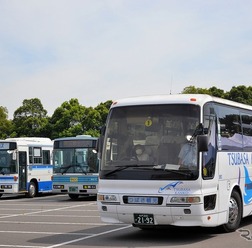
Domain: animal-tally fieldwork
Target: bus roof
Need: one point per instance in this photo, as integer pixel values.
(78, 137)
(198, 99)
(30, 140)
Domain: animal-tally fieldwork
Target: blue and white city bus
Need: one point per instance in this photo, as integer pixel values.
(76, 166)
(198, 170)
(25, 165)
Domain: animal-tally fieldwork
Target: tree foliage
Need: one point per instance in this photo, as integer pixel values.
(72, 118)
(30, 119)
(5, 124)
(67, 119)
(241, 94)
(213, 91)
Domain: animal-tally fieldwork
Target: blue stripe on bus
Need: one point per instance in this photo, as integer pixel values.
(40, 166)
(44, 186)
(248, 187)
(81, 179)
(6, 178)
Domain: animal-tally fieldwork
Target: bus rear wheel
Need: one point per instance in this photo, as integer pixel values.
(32, 191)
(235, 213)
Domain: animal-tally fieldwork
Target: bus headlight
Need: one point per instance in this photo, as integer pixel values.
(185, 199)
(58, 186)
(107, 198)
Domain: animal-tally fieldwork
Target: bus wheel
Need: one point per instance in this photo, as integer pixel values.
(73, 196)
(1, 195)
(32, 191)
(235, 213)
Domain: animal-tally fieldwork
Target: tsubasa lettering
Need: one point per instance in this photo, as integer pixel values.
(238, 158)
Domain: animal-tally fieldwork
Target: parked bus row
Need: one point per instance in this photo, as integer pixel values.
(33, 165)
(183, 160)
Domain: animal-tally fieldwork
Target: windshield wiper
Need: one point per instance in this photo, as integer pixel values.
(121, 167)
(66, 168)
(175, 171)
(179, 172)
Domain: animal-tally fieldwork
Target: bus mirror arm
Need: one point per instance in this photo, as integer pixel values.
(99, 143)
(202, 141)
(102, 130)
(99, 146)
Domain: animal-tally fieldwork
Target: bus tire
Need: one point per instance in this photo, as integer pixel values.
(32, 191)
(73, 196)
(235, 213)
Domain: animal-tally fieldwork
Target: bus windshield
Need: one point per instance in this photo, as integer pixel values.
(75, 160)
(8, 162)
(156, 142)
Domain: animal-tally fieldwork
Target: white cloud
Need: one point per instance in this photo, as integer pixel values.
(99, 50)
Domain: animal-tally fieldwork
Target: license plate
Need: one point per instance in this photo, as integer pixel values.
(73, 189)
(147, 219)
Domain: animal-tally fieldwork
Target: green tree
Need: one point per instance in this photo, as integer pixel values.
(241, 94)
(71, 119)
(96, 118)
(30, 119)
(67, 119)
(5, 124)
(103, 109)
(193, 90)
(213, 91)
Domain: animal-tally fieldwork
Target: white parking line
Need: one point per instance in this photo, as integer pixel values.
(22, 246)
(44, 211)
(65, 216)
(54, 223)
(47, 233)
(88, 237)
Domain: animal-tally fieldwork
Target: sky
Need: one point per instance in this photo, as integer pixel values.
(100, 50)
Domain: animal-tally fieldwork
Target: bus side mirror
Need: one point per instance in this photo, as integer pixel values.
(102, 130)
(100, 142)
(100, 146)
(202, 141)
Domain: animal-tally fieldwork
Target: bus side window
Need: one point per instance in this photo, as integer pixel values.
(46, 156)
(247, 130)
(230, 133)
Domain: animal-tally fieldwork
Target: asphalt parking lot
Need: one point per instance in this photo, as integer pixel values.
(52, 221)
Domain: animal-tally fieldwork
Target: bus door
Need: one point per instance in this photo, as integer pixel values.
(22, 172)
(209, 160)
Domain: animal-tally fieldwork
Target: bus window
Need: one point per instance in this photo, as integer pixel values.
(247, 130)
(46, 156)
(229, 128)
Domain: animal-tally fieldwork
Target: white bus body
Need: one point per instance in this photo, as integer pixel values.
(25, 165)
(76, 166)
(214, 189)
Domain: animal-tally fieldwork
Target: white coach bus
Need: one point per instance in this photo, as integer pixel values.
(76, 166)
(25, 166)
(197, 167)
